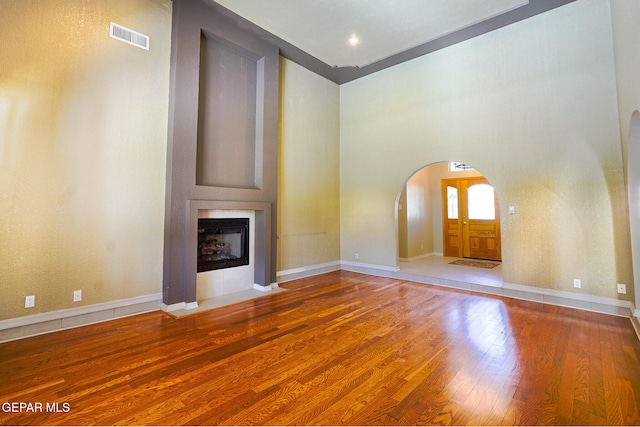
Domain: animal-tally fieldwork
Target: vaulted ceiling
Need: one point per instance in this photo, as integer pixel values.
(347, 39)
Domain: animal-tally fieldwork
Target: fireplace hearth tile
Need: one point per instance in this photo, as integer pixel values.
(224, 300)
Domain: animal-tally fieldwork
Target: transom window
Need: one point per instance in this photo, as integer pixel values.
(458, 167)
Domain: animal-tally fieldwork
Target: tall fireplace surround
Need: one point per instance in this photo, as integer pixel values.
(223, 104)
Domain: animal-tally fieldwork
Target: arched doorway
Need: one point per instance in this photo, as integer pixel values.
(428, 223)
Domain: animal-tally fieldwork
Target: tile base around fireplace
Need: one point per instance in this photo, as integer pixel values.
(221, 301)
(219, 283)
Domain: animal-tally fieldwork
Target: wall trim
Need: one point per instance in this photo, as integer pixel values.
(529, 293)
(357, 266)
(306, 271)
(261, 288)
(345, 74)
(636, 324)
(584, 298)
(173, 307)
(417, 257)
(42, 323)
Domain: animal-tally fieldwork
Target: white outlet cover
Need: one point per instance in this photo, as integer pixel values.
(29, 301)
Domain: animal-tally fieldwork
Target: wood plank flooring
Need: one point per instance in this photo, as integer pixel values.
(337, 349)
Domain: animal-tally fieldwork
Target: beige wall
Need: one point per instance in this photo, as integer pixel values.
(537, 115)
(309, 169)
(83, 134)
(403, 236)
(415, 207)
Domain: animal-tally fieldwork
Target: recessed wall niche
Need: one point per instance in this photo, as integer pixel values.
(231, 90)
(223, 139)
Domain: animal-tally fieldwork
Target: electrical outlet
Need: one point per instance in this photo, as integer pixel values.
(512, 209)
(357, 256)
(577, 283)
(77, 296)
(622, 288)
(29, 301)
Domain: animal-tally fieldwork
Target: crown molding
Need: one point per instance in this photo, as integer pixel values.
(340, 75)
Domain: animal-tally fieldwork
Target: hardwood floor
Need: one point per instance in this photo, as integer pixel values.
(337, 349)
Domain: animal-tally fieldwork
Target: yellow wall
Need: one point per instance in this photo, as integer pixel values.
(83, 134)
(309, 169)
(534, 107)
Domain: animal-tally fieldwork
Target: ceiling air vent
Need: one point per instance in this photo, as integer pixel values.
(129, 36)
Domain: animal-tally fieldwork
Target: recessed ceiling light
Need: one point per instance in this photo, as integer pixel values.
(354, 40)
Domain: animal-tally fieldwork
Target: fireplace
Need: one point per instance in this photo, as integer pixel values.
(222, 243)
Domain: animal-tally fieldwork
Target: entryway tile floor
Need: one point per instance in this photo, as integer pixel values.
(438, 267)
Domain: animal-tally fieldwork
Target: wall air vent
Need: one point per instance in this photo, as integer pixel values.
(129, 36)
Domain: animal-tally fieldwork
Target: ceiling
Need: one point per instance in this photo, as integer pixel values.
(322, 28)
(316, 33)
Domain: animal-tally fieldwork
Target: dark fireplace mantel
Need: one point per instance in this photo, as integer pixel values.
(202, 81)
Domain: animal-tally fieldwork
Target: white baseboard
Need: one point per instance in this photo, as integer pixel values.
(314, 270)
(310, 270)
(529, 293)
(42, 323)
(179, 306)
(417, 257)
(173, 307)
(636, 323)
(361, 267)
(38, 324)
(569, 299)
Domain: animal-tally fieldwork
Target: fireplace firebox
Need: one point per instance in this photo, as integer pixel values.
(222, 243)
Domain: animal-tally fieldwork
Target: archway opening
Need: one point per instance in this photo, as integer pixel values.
(438, 238)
